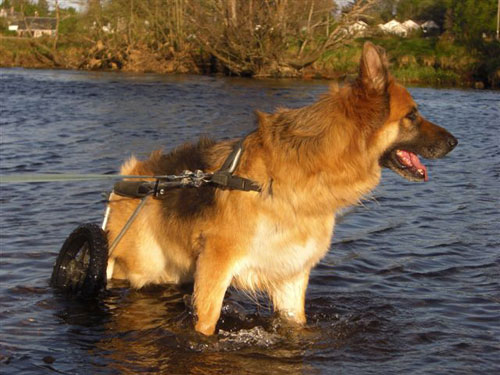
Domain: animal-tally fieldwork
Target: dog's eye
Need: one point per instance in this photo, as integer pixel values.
(412, 116)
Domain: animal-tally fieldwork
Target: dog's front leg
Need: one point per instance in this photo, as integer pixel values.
(212, 278)
(289, 296)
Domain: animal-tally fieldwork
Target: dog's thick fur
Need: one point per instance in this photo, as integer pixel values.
(310, 162)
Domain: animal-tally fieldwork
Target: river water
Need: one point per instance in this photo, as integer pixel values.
(411, 284)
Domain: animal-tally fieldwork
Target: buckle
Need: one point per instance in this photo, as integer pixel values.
(221, 178)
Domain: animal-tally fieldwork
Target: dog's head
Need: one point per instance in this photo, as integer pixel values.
(405, 133)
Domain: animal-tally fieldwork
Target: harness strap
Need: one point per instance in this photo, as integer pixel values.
(233, 159)
(224, 176)
(160, 187)
(234, 182)
(133, 189)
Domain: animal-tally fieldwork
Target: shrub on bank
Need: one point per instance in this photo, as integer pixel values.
(429, 61)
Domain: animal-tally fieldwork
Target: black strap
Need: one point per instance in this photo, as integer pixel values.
(230, 181)
(233, 159)
(224, 176)
(133, 189)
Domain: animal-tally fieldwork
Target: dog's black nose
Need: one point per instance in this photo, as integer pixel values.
(452, 142)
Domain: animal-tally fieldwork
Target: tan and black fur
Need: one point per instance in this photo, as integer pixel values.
(310, 162)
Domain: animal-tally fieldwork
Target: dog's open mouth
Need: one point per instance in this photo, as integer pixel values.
(406, 164)
(409, 160)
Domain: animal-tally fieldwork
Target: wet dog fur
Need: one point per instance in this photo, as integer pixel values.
(310, 162)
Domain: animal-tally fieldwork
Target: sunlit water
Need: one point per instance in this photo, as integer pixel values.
(411, 283)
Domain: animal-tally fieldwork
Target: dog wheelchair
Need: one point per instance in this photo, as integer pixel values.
(81, 264)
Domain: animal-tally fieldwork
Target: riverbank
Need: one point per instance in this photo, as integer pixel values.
(418, 61)
(423, 61)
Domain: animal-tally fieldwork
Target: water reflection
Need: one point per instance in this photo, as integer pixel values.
(151, 331)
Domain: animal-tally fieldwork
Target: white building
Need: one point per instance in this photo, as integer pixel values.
(358, 28)
(410, 26)
(394, 27)
(401, 29)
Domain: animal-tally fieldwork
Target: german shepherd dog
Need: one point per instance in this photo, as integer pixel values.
(309, 162)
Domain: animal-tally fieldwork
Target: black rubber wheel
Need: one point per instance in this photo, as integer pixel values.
(80, 267)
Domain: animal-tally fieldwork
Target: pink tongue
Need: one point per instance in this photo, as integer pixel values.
(415, 162)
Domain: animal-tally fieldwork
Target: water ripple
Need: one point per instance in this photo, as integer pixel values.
(410, 285)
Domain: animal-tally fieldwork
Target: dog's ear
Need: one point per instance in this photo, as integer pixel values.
(373, 71)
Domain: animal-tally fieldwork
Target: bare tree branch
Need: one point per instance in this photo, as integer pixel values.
(279, 37)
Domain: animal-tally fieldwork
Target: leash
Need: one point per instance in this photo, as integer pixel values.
(62, 177)
(158, 188)
(224, 177)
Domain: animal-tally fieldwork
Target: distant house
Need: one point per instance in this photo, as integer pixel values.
(429, 27)
(401, 29)
(411, 26)
(36, 27)
(394, 27)
(358, 28)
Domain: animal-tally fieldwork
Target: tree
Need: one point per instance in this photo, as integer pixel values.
(470, 19)
(466, 20)
(422, 10)
(262, 37)
(42, 8)
(27, 7)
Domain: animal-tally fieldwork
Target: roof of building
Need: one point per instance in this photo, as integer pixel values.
(411, 25)
(391, 24)
(358, 26)
(430, 25)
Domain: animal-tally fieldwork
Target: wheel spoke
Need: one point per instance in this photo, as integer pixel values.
(81, 265)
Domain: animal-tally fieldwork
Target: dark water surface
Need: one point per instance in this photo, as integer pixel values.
(411, 284)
